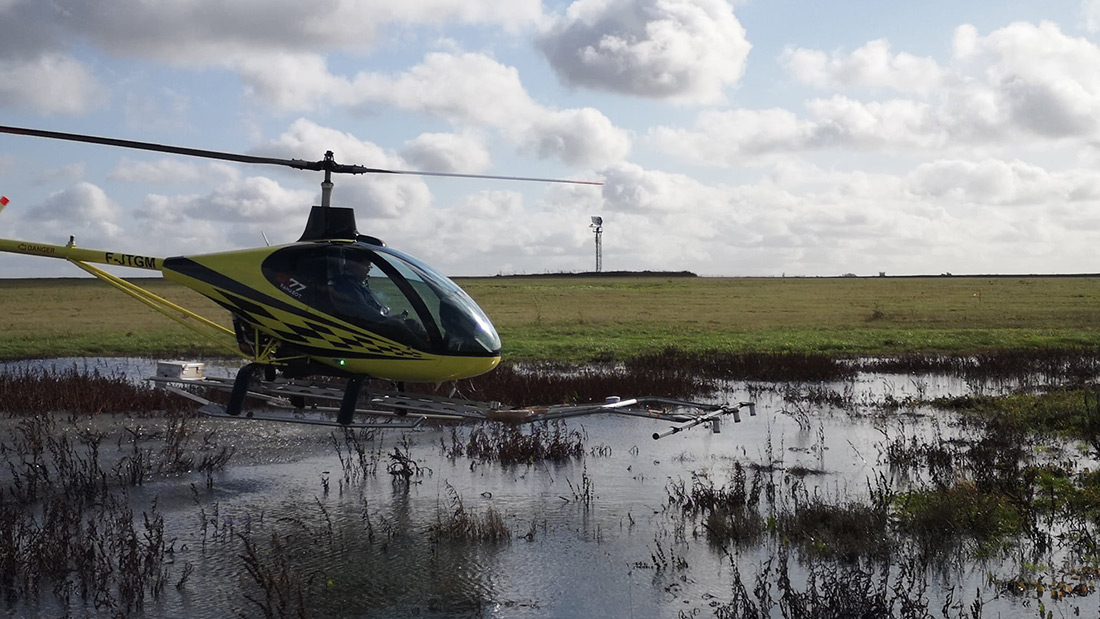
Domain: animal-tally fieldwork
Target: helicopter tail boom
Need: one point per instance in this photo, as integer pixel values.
(82, 257)
(79, 254)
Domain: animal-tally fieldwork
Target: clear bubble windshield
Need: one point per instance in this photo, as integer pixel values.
(386, 292)
(464, 327)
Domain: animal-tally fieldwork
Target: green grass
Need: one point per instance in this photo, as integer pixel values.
(960, 510)
(86, 317)
(580, 319)
(1072, 412)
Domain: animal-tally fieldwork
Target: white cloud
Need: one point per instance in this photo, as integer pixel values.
(282, 51)
(1044, 80)
(292, 81)
(1090, 13)
(871, 66)
(463, 153)
(739, 136)
(171, 171)
(682, 50)
(152, 111)
(30, 29)
(278, 47)
(805, 220)
(231, 215)
(580, 137)
(629, 188)
(255, 198)
(456, 87)
(730, 137)
(898, 123)
(1023, 83)
(252, 199)
(50, 84)
(204, 33)
(68, 173)
(995, 182)
(166, 219)
(489, 206)
(83, 210)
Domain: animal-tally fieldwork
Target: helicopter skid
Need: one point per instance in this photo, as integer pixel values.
(309, 417)
(378, 409)
(301, 401)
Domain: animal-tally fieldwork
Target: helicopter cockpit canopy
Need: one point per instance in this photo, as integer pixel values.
(386, 292)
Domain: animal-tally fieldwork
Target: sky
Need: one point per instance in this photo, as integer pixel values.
(745, 138)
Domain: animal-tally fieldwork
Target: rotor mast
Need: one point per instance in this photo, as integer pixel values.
(326, 185)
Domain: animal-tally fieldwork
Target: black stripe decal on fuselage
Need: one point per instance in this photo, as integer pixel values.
(189, 268)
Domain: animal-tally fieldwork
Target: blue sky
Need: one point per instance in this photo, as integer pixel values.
(745, 138)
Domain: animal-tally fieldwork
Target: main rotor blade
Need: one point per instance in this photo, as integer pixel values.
(489, 176)
(328, 164)
(163, 148)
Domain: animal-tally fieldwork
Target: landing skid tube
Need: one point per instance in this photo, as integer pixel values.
(351, 407)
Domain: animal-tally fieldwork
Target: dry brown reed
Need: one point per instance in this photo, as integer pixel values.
(729, 513)
(283, 590)
(1031, 366)
(456, 523)
(531, 384)
(403, 468)
(67, 524)
(511, 444)
(726, 365)
(824, 589)
(34, 390)
(359, 453)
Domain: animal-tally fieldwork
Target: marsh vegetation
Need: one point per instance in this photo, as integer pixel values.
(972, 490)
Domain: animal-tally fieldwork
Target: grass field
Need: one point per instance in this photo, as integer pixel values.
(579, 319)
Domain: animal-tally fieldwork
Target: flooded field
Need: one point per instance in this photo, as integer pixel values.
(846, 497)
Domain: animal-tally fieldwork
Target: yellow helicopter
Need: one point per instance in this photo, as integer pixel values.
(333, 303)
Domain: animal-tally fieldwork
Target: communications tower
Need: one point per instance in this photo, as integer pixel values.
(597, 227)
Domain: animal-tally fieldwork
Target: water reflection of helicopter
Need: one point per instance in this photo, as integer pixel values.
(334, 303)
